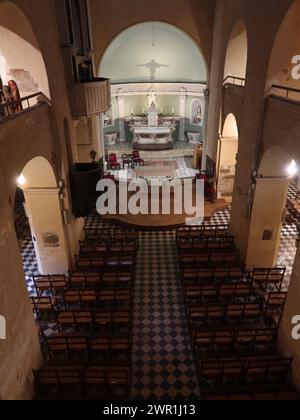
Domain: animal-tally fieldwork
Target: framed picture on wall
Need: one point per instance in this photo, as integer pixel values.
(108, 118)
(196, 113)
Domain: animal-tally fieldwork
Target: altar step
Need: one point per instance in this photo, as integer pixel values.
(157, 154)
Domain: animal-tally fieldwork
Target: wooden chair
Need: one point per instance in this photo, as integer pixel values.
(265, 277)
(51, 284)
(67, 347)
(44, 307)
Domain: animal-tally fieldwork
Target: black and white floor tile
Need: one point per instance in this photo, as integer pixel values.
(163, 366)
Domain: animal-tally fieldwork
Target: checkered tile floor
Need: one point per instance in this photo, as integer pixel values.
(162, 355)
(163, 366)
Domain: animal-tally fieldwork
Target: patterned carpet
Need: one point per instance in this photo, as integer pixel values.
(163, 366)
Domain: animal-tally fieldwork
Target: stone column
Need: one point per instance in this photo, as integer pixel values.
(182, 108)
(216, 83)
(45, 218)
(205, 122)
(20, 350)
(122, 118)
(266, 220)
(98, 135)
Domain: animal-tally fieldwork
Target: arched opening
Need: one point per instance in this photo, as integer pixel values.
(38, 221)
(227, 156)
(274, 225)
(237, 52)
(154, 62)
(21, 60)
(284, 67)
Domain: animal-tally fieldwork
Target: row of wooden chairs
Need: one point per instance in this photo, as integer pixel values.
(88, 299)
(203, 231)
(85, 280)
(58, 284)
(230, 340)
(193, 245)
(224, 314)
(83, 382)
(95, 320)
(210, 259)
(91, 349)
(241, 371)
(262, 278)
(267, 393)
(113, 262)
(106, 247)
(112, 234)
(219, 292)
(101, 297)
(195, 275)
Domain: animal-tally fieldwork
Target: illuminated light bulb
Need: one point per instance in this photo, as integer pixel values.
(292, 169)
(21, 181)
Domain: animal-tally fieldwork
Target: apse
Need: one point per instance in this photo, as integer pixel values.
(155, 62)
(153, 52)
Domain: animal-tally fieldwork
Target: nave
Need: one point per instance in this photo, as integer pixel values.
(164, 348)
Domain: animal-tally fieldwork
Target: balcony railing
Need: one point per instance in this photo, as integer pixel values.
(90, 98)
(236, 81)
(12, 109)
(284, 92)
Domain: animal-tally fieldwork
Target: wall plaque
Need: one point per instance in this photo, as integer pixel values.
(50, 240)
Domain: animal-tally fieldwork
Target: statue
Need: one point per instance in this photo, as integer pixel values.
(151, 97)
(153, 116)
(198, 117)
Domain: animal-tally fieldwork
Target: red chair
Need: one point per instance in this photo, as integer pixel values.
(113, 162)
(109, 176)
(137, 158)
(209, 188)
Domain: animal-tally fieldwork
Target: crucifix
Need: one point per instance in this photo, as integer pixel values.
(153, 66)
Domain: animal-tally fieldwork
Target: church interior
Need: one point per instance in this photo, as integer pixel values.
(149, 301)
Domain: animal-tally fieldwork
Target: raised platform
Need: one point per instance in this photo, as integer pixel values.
(153, 147)
(158, 222)
(180, 149)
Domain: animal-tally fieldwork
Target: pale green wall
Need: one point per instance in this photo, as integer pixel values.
(172, 48)
(137, 103)
(164, 102)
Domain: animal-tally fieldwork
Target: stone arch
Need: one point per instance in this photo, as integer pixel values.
(285, 48)
(237, 51)
(21, 58)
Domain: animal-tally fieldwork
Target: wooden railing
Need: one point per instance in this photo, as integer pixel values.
(9, 110)
(236, 81)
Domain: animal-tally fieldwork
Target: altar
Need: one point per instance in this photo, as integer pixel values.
(156, 135)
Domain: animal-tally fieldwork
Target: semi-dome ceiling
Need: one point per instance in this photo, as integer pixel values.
(153, 52)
